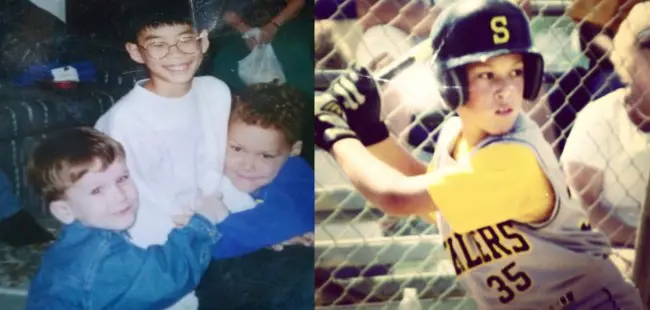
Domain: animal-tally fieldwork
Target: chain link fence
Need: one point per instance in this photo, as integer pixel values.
(364, 259)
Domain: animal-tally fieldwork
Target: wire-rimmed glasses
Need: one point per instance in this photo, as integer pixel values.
(187, 44)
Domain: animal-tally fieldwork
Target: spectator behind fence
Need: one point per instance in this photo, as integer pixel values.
(597, 23)
(392, 27)
(389, 26)
(607, 155)
(329, 52)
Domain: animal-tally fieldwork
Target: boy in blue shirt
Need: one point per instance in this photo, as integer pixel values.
(261, 159)
(83, 177)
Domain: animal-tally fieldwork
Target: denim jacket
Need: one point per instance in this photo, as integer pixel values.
(90, 268)
(285, 209)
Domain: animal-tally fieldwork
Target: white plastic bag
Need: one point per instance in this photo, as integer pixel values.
(261, 66)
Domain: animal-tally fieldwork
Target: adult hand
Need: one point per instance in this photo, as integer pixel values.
(267, 33)
(251, 43)
(252, 37)
(248, 33)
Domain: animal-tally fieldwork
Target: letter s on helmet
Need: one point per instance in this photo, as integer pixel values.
(470, 31)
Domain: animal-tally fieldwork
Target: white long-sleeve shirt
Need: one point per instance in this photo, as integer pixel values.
(175, 148)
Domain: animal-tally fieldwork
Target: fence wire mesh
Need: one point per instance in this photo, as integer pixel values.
(365, 259)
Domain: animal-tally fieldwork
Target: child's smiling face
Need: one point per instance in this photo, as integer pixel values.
(171, 53)
(255, 155)
(103, 198)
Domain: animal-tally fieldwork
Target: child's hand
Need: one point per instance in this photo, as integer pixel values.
(305, 240)
(180, 220)
(213, 208)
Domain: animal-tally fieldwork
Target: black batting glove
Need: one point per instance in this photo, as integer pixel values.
(330, 125)
(357, 95)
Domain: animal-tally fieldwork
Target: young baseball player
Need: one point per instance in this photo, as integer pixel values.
(494, 186)
(83, 177)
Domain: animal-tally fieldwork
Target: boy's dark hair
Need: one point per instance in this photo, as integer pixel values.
(151, 14)
(66, 156)
(270, 105)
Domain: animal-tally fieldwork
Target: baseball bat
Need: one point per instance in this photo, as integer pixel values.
(423, 51)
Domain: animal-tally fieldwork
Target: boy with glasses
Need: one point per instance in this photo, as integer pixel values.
(173, 127)
(165, 119)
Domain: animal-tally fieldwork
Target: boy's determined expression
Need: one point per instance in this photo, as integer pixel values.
(255, 155)
(171, 53)
(496, 89)
(105, 199)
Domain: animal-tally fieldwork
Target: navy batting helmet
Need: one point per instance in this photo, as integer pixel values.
(471, 31)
